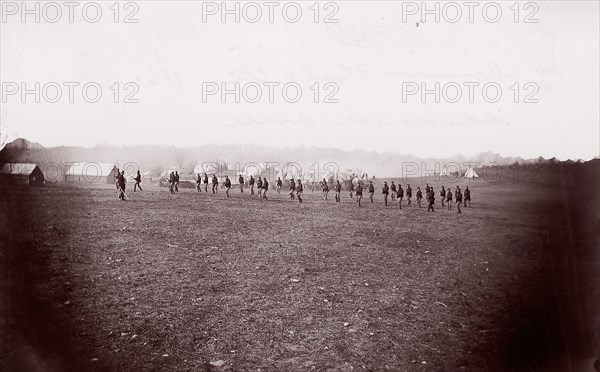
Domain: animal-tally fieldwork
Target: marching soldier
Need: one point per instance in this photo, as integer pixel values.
(431, 200)
(176, 181)
(449, 198)
(426, 189)
(121, 185)
(138, 180)
(408, 194)
(358, 194)
(385, 192)
(325, 188)
(205, 182)
(351, 189)
(227, 186)
(419, 196)
(279, 185)
(265, 186)
(172, 183)
(299, 190)
(443, 195)
(293, 189)
(371, 190)
(338, 191)
(400, 196)
(458, 197)
(215, 184)
(259, 186)
(251, 182)
(467, 197)
(241, 181)
(393, 190)
(199, 183)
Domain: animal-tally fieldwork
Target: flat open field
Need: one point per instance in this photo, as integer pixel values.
(174, 282)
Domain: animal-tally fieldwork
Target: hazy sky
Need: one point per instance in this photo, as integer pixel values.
(370, 54)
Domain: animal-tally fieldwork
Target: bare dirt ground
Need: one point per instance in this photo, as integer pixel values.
(173, 283)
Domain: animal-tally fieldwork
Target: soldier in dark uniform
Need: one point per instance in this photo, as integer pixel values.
(393, 190)
(121, 184)
(293, 189)
(458, 197)
(325, 188)
(299, 189)
(199, 183)
(419, 196)
(259, 186)
(400, 196)
(449, 198)
(358, 194)
(265, 188)
(371, 190)
(338, 191)
(351, 189)
(138, 180)
(241, 181)
(215, 184)
(426, 189)
(385, 192)
(279, 185)
(443, 195)
(408, 194)
(227, 185)
(176, 181)
(431, 200)
(251, 183)
(467, 197)
(205, 182)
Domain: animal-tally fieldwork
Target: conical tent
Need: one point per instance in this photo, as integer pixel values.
(470, 173)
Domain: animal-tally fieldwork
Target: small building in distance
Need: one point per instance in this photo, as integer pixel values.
(92, 173)
(24, 173)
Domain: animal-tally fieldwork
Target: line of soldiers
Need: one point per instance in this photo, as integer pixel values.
(296, 190)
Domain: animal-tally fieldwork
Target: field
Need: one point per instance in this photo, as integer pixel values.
(176, 282)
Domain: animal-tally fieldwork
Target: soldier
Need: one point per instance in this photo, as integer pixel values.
(385, 192)
(458, 197)
(172, 183)
(393, 190)
(138, 180)
(431, 200)
(419, 196)
(408, 194)
(371, 190)
(205, 182)
(251, 182)
(426, 189)
(176, 181)
(265, 186)
(325, 188)
(199, 183)
(227, 186)
(241, 181)
(449, 198)
(259, 186)
(279, 185)
(338, 191)
(293, 189)
(467, 197)
(358, 194)
(443, 195)
(351, 189)
(215, 184)
(400, 196)
(121, 184)
(299, 190)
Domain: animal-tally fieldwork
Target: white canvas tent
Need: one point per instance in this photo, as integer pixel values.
(470, 173)
(91, 173)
